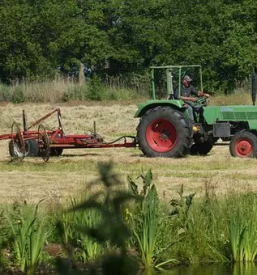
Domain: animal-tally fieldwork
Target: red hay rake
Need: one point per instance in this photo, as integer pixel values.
(45, 143)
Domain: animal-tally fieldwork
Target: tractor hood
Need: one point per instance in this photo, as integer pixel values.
(214, 114)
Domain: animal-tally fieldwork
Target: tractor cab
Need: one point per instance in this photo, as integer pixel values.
(166, 83)
(167, 79)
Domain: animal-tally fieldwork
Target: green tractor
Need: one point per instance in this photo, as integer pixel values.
(165, 128)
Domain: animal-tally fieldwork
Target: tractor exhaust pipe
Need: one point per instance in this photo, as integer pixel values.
(253, 86)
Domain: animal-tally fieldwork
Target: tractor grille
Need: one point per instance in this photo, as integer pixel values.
(252, 115)
(228, 115)
(239, 115)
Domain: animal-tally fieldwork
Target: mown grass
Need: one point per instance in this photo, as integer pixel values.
(64, 176)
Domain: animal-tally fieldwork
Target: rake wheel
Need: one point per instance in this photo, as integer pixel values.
(43, 143)
(17, 144)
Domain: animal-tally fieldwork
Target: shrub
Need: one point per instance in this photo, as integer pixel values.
(18, 95)
(29, 235)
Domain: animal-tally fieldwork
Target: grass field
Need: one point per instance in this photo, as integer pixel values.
(65, 176)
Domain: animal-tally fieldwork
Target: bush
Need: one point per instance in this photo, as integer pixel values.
(5, 94)
(75, 93)
(18, 95)
(95, 89)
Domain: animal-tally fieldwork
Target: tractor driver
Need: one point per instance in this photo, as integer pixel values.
(190, 95)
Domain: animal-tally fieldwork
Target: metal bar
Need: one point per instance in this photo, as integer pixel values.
(175, 66)
(201, 79)
(24, 120)
(179, 82)
(169, 82)
(43, 118)
(94, 129)
(253, 86)
(6, 136)
(93, 146)
(59, 117)
(153, 83)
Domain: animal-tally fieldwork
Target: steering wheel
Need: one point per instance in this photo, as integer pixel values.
(202, 100)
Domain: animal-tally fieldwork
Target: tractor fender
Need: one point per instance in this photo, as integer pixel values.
(142, 108)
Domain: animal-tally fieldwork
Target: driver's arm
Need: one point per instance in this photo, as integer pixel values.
(188, 98)
(203, 94)
(198, 93)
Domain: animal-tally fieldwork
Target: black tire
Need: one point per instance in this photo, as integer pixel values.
(56, 151)
(243, 145)
(31, 149)
(164, 132)
(201, 148)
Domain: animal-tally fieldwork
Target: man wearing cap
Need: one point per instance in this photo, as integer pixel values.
(190, 95)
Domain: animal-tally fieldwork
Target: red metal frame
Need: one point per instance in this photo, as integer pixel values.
(59, 140)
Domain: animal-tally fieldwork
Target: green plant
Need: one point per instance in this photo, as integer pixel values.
(29, 236)
(4, 241)
(204, 232)
(146, 225)
(111, 232)
(89, 248)
(18, 95)
(95, 89)
(68, 233)
(75, 92)
(5, 94)
(181, 207)
(243, 237)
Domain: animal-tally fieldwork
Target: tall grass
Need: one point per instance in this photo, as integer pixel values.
(88, 249)
(146, 225)
(29, 236)
(63, 90)
(146, 221)
(205, 233)
(242, 229)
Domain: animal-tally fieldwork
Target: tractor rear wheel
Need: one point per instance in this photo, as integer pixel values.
(164, 132)
(243, 145)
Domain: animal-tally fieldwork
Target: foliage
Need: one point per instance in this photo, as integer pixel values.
(29, 236)
(41, 38)
(204, 231)
(5, 238)
(147, 220)
(87, 248)
(110, 231)
(95, 89)
(18, 95)
(242, 230)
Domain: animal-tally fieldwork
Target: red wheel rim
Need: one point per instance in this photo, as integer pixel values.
(161, 135)
(243, 148)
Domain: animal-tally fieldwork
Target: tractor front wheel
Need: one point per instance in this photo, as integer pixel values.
(164, 132)
(243, 145)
